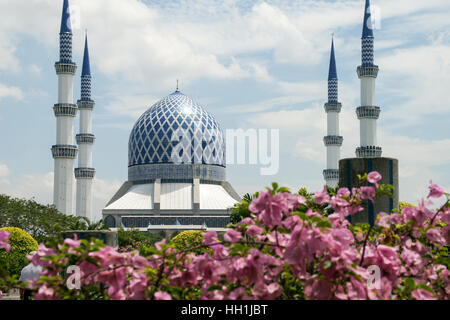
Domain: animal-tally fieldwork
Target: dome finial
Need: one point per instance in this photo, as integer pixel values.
(177, 90)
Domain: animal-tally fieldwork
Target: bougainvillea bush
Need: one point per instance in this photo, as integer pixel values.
(287, 249)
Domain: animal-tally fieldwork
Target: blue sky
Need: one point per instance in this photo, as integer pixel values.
(252, 64)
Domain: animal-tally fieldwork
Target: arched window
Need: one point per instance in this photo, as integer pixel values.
(110, 222)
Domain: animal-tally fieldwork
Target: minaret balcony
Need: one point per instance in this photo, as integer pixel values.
(64, 151)
(370, 71)
(86, 104)
(65, 109)
(65, 68)
(331, 174)
(368, 152)
(85, 138)
(84, 173)
(333, 107)
(368, 112)
(333, 141)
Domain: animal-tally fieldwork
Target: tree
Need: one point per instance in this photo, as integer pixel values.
(187, 240)
(21, 245)
(43, 222)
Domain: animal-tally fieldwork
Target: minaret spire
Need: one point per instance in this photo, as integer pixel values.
(66, 24)
(86, 64)
(64, 152)
(368, 113)
(85, 139)
(367, 25)
(333, 141)
(332, 73)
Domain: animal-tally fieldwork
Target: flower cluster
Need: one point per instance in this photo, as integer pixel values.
(4, 237)
(286, 249)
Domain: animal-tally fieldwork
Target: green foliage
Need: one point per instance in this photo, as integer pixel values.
(43, 223)
(21, 245)
(188, 239)
(240, 210)
(135, 239)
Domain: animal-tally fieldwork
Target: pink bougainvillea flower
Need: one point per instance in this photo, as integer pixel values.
(247, 221)
(45, 293)
(368, 193)
(388, 259)
(435, 190)
(254, 231)
(259, 204)
(72, 243)
(159, 244)
(343, 192)
(4, 237)
(422, 294)
(318, 289)
(322, 196)
(232, 236)
(446, 234)
(162, 295)
(374, 177)
(435, 235)
(210, 238)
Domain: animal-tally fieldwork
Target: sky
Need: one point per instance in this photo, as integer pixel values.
(252, 64)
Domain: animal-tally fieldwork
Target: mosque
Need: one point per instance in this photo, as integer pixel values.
(176, 158)
(176, 151)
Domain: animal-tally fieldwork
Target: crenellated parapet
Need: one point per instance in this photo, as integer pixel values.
(368, 112)
(65, 68)
(333, 141)
(333, 107)
(65, 110)
(85, 138)
(331, 174)
(367, 71)
(369, 152)
(84, 173)
(64, 151)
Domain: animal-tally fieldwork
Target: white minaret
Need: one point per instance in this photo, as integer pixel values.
(64, 152)
(333, 141)
(368, 112)
(85, 139)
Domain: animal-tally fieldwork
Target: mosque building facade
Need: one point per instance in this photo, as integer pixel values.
(176, 152)
(176, 158)
(176, 171)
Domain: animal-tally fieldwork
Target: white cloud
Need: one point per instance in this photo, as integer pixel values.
(103, 191)
(4, 170)
(36, 70)
(130, 106)
(420, 77)
(10, 92)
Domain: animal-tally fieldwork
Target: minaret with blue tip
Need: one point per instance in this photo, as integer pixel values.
(85, 139)
(368, 113)
(333, 141)
(64, 151)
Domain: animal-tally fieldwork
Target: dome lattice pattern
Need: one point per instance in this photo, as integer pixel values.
(154, 136)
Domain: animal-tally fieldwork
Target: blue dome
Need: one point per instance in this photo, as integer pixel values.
(176, 130)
